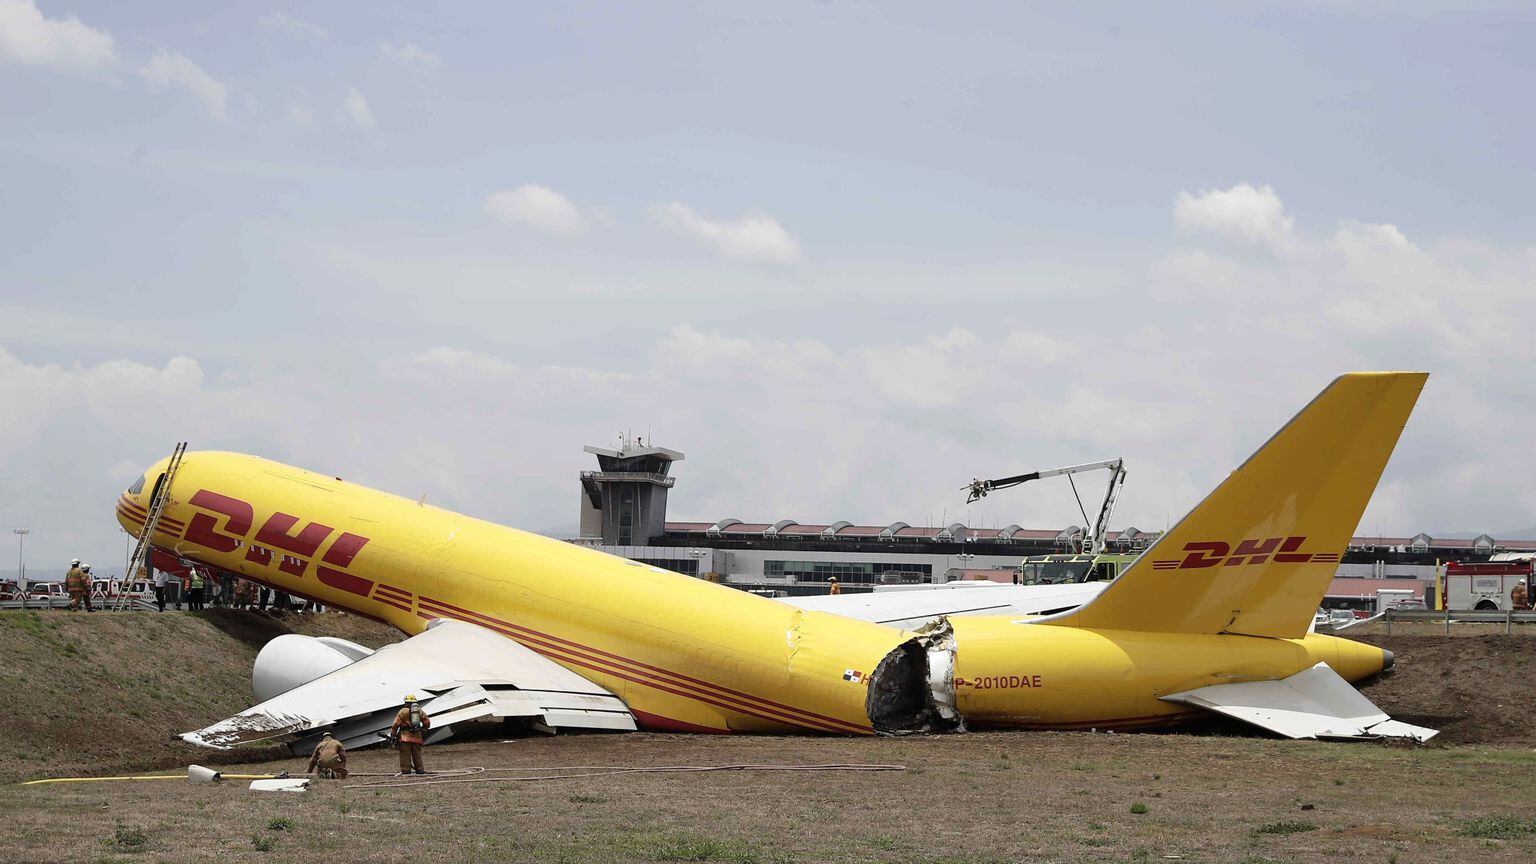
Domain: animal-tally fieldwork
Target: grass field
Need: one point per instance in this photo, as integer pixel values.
(94, 694)
(986, 797)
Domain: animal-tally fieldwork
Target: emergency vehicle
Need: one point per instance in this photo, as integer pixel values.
(39, 594)
(1484, 584)
(111, 590)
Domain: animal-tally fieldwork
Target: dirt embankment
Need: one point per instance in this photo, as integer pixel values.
(1474, 689)
(108, 692)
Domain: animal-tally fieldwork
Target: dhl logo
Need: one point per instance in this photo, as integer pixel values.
(1215, 553)
(281, 531)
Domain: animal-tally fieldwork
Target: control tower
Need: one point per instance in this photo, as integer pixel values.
(625, 502)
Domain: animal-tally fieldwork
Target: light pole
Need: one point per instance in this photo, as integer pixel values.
(21, 565)
(965, 561)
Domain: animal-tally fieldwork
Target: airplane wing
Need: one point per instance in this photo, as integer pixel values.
(909, 609)
(1313, 703)
(459, 672)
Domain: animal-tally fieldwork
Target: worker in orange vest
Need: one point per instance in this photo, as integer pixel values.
(833, 587)
(411, 724)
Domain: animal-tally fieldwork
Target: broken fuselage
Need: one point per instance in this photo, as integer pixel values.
(684, 654)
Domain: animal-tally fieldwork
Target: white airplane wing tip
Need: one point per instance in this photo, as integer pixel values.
(1313, 703)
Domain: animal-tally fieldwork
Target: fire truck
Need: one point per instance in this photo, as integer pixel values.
(1485, 584)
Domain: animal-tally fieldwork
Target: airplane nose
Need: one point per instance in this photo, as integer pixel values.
(1386, 660)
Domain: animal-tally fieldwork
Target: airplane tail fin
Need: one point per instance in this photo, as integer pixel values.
(1255, 557)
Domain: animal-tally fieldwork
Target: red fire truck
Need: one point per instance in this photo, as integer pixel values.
(1485, 584)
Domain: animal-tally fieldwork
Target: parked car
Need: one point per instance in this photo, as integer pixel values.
(47, 594)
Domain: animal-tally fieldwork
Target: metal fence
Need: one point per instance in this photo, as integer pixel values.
(40, 603)
(1509, 618)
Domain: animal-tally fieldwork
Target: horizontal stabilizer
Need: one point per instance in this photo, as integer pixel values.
(459, 672)
(1314, 703)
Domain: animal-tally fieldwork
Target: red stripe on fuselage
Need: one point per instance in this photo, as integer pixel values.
(583, 655)
(657, 723)
(684, 679)
(173, 531)
(140, 514)
(387, 602)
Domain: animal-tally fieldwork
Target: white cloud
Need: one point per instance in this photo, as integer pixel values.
(409, 55)
(114, 391)
(298, 114)
(826, 416)
(76, 435)
(932, 372)
(755, 237)
(453, 360)
(538, 207)
(28, 38)
(1244, 214)
(1039, 348)
(355, 110)
(173, 69)
(294, 27)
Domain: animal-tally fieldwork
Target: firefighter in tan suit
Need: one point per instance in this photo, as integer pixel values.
(78, 584)
(411, 723)
(1518, 598)
(330, 757)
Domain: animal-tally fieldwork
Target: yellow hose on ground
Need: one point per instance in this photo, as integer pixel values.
(181, 776)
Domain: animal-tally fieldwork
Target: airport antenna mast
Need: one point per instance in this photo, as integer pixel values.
(978, 490)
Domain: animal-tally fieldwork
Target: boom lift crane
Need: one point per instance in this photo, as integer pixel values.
(978, 489)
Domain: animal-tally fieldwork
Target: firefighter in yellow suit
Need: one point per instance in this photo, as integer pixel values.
(411, 723)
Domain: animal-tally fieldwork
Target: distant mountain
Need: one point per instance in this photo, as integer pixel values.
(40, 574)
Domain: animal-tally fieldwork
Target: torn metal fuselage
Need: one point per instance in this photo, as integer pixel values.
(913, 687)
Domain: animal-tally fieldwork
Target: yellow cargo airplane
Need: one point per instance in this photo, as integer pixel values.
(1213, 617)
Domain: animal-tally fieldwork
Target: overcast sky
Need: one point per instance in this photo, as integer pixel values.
(844, 257)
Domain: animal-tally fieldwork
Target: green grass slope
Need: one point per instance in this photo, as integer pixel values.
(105, 693)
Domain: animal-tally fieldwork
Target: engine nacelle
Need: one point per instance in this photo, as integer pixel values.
(291, 660)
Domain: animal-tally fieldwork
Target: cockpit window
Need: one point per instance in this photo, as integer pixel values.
(138, 485)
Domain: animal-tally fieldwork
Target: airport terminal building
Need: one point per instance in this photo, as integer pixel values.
(624, 512)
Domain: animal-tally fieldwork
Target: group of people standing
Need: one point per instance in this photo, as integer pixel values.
(198, 587)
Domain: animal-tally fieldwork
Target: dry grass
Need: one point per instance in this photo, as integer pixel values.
(969, 799)
(976, 798)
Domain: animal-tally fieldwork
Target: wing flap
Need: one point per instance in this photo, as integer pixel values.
(459, 672)
(1313, 703)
